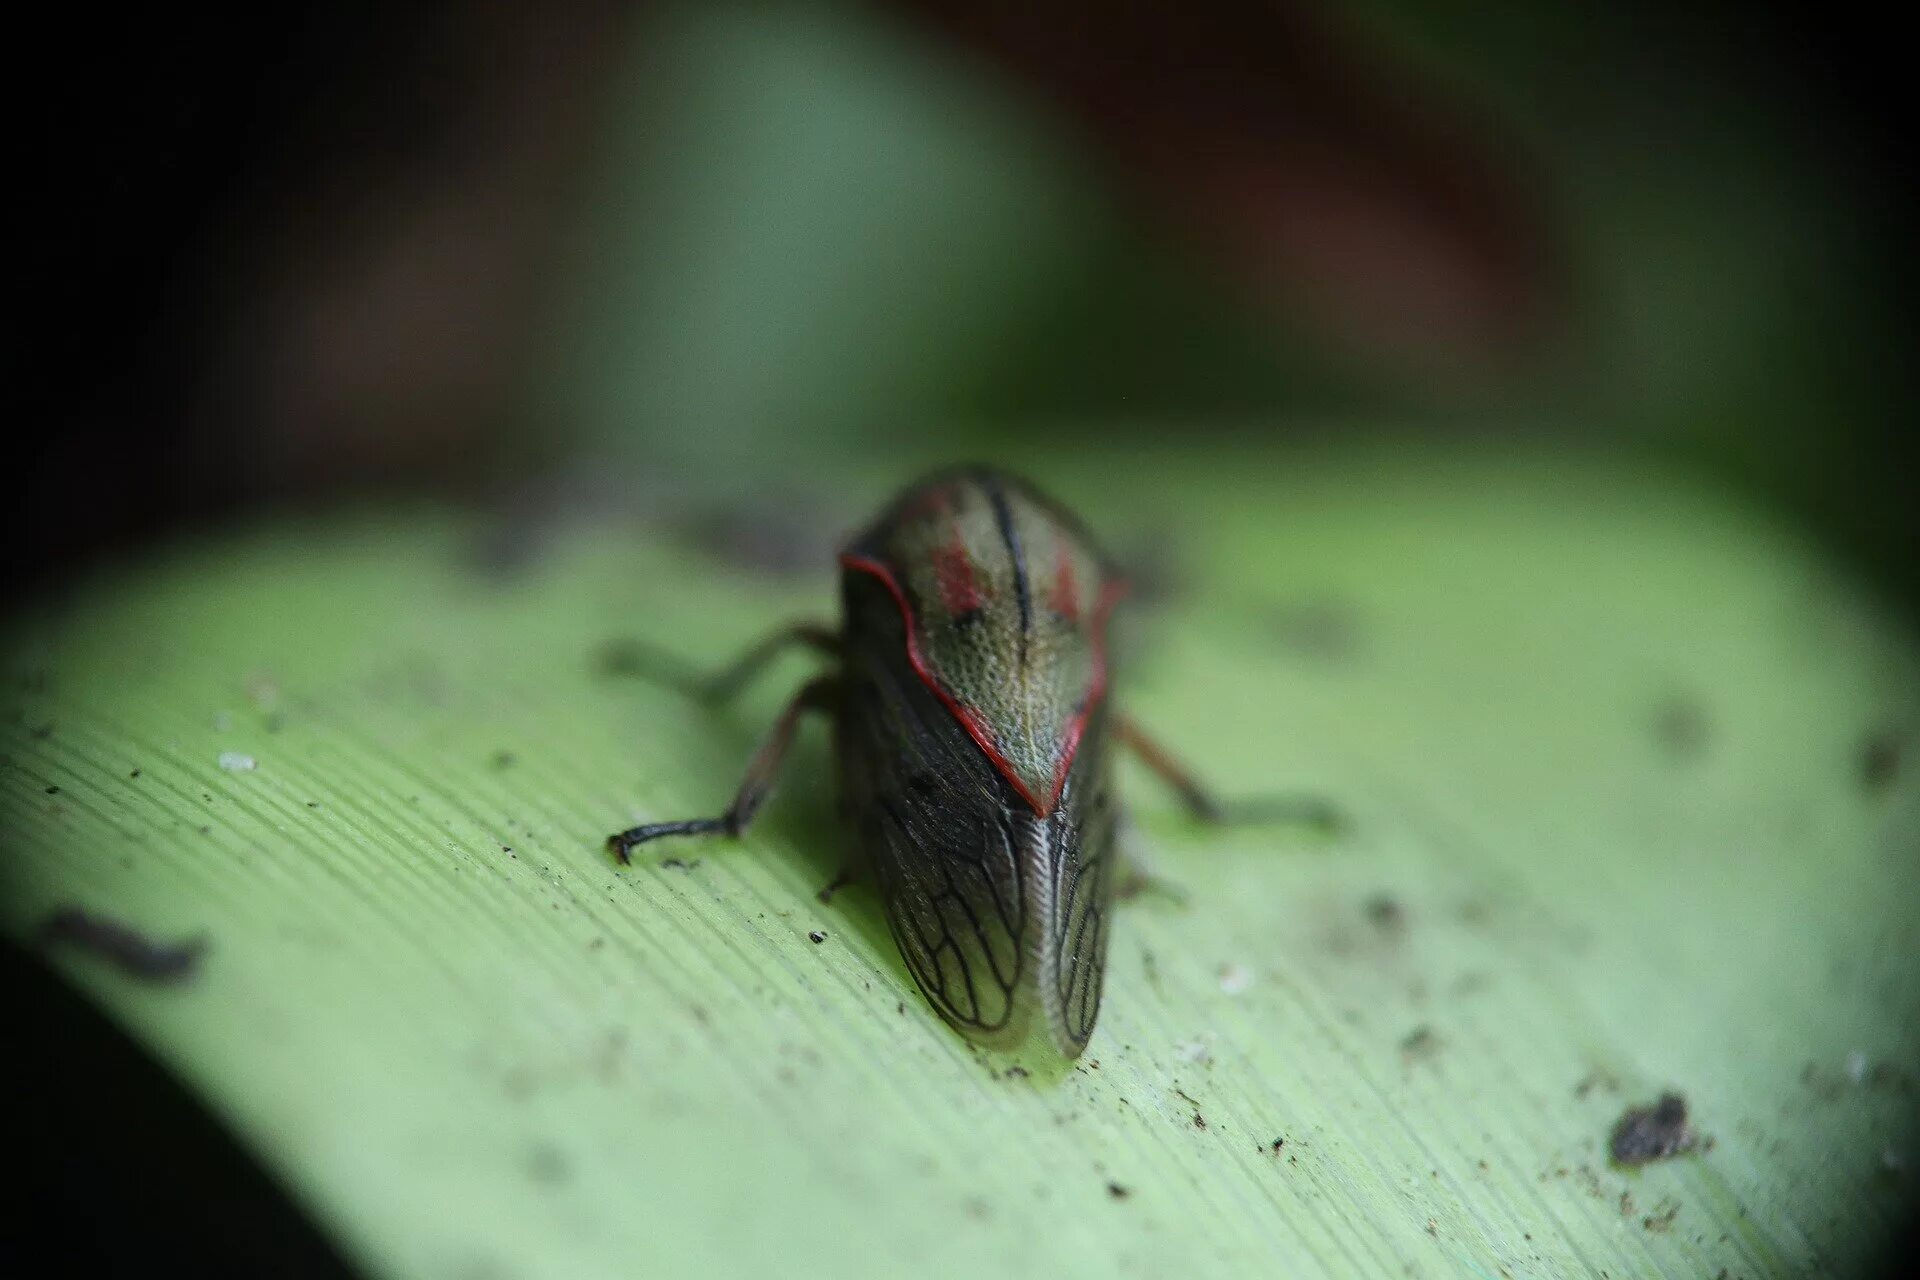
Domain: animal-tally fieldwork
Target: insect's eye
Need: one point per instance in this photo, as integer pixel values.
(967, 619)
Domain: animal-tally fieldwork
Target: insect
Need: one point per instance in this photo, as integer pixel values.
(974, 732)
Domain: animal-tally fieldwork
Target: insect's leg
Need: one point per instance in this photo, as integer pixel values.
(629, 657)
(1200, 802)
(817, 694)
(1307, 811)
(1138, 876)
(841, 879)
(724, 684)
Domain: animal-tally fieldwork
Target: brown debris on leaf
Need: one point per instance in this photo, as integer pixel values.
(131, 951)
(1645, 1134)
(1880, 757)
(1385, 913)
(1421, 1044)
(1682, 725)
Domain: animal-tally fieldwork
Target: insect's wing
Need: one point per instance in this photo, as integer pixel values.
(1001, 914)
(945, 850)
(1076, 848)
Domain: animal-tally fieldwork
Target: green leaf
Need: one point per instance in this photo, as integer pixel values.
(1629, 815)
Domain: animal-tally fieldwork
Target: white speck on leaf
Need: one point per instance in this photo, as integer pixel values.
(1235, 978)
(1857, 1066)
(1192, 1051)
(237, 762)
(262, 691)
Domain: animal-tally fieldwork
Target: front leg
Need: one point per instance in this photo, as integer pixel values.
(819, 694)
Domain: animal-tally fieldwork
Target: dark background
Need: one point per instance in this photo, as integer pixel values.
(190, 166)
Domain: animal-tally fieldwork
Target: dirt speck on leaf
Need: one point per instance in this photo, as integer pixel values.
(127, 948)
(1681, 725)
(1385, 913)
(1117, 1191)
(1656, 1132)
(1823, 1084)
(1322, 629)
(1857, 1072)
(547, 1164)
(1889, 1078)
(1880, 758)
(1596, 1079)
(1151, 968)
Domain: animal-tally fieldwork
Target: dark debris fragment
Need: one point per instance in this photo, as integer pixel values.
(1385, 913)
(1321, 629)
(1645, 1134)
(1681, 724)
(1880, 758)
(1596, 1079)
(1419, 1044)
(131, 951)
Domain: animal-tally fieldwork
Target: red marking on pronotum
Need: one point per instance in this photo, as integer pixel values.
(971, 720)
(930, 502)
(1066, 592)
(958, 592)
